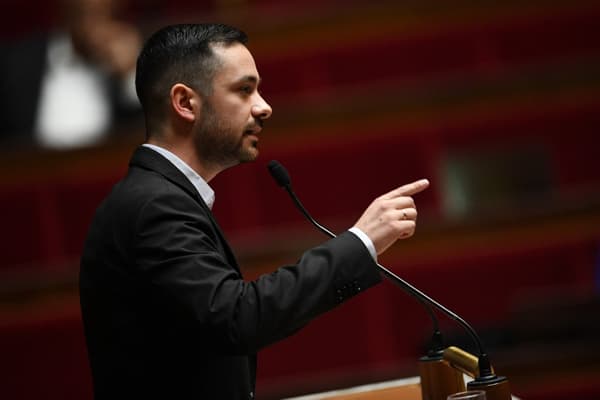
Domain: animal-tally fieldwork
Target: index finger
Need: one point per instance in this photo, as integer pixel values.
(408, 189)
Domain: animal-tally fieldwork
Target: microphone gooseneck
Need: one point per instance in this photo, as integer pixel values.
(281, 176)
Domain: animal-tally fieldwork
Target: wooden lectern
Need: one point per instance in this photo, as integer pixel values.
(400, 389)
(404, 389)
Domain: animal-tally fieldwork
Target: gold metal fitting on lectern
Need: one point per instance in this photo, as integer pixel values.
(462, 360)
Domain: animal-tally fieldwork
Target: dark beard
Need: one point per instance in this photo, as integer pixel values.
(218, 144)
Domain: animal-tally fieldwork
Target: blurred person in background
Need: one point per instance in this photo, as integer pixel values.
(166, 311)
(69, 88)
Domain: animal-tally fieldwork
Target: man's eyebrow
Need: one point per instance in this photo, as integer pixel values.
(250, 78)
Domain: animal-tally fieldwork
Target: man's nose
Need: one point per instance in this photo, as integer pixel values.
(261, 109)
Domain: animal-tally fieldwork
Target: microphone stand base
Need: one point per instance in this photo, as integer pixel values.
(496, 387)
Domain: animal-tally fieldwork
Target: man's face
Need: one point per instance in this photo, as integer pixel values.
(233, 113)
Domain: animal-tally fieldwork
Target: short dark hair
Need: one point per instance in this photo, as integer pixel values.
(180, 54)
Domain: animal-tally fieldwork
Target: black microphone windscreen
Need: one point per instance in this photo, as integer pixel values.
(279, 173)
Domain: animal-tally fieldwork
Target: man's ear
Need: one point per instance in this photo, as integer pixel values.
(185, 102)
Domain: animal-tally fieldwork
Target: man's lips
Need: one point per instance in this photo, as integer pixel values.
(254, 128)
(253, 131)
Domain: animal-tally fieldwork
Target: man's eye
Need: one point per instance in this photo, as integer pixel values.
(246, 89)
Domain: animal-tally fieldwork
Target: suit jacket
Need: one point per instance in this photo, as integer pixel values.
(21, 70)
(166, 311)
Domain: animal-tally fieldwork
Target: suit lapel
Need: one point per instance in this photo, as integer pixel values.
(147, 158)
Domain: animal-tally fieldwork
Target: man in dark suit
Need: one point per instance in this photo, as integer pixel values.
(166, 311)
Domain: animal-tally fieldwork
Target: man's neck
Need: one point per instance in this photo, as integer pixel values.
(188, 154)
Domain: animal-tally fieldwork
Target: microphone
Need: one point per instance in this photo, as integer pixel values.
(485, 377)
(282, 178)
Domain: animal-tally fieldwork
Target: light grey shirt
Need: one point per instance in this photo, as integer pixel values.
(206, 192)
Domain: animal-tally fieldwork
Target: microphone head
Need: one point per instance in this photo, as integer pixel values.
(279, 173)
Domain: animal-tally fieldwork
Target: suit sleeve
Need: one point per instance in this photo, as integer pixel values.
(177, 255)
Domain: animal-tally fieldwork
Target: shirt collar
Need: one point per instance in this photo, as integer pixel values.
(205, 191)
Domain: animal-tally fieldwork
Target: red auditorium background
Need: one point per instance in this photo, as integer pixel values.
(497, 103)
